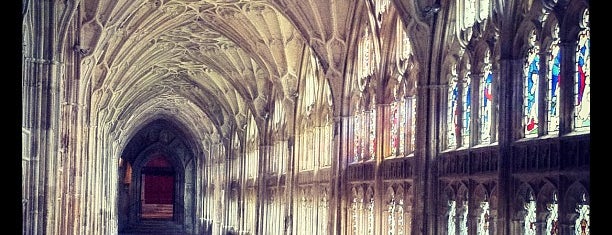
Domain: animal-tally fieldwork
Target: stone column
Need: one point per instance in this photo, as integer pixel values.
(339, 188)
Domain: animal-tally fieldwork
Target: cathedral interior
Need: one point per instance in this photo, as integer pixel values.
(428, 117)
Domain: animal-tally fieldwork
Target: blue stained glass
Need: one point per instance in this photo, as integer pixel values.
(531, 82)
(466, 112)
(468, 104)
(487, 96)
(455, 96)
(556, 73)
(454, 113)
(530, 93)
(582, 113)
(581, 73)
(554, 76)
(485, 108)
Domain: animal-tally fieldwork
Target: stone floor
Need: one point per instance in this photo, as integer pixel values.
(154, 227)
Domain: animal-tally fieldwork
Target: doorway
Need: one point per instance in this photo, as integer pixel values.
(157, 190)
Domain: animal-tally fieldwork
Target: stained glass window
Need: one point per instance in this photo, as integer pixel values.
(357, 138)
(402, 126)
(583, 222)
(452, 212)
(400, 217)
(530, 217)
(552, 220)
(453, 109)
(531, 70)
(372, 133)
(354, 208)
(463, 224)
(483, 219)
(398, 132)
(486, 101)
(395, 124)
(370, 209)
(357, 213)
(554, 75)
(466, 109)
(582, 117)
(391, 218)
(395, 213)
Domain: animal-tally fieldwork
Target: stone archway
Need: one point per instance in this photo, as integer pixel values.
(157, 174)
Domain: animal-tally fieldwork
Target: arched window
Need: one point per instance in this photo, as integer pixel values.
(452, 213)
(486, 101)
(552, 220)
(463, 220)
(583, 222)
(403, 106)
(391, 223)
(365, 115)
(530, 217)
(582, 116)
(554, 75)
(483, 219)
(313, 140)
(357, 212)
(370, 210)
(531, 70)
(399, 213)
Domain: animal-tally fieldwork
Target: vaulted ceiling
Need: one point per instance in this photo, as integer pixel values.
(207, 63)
